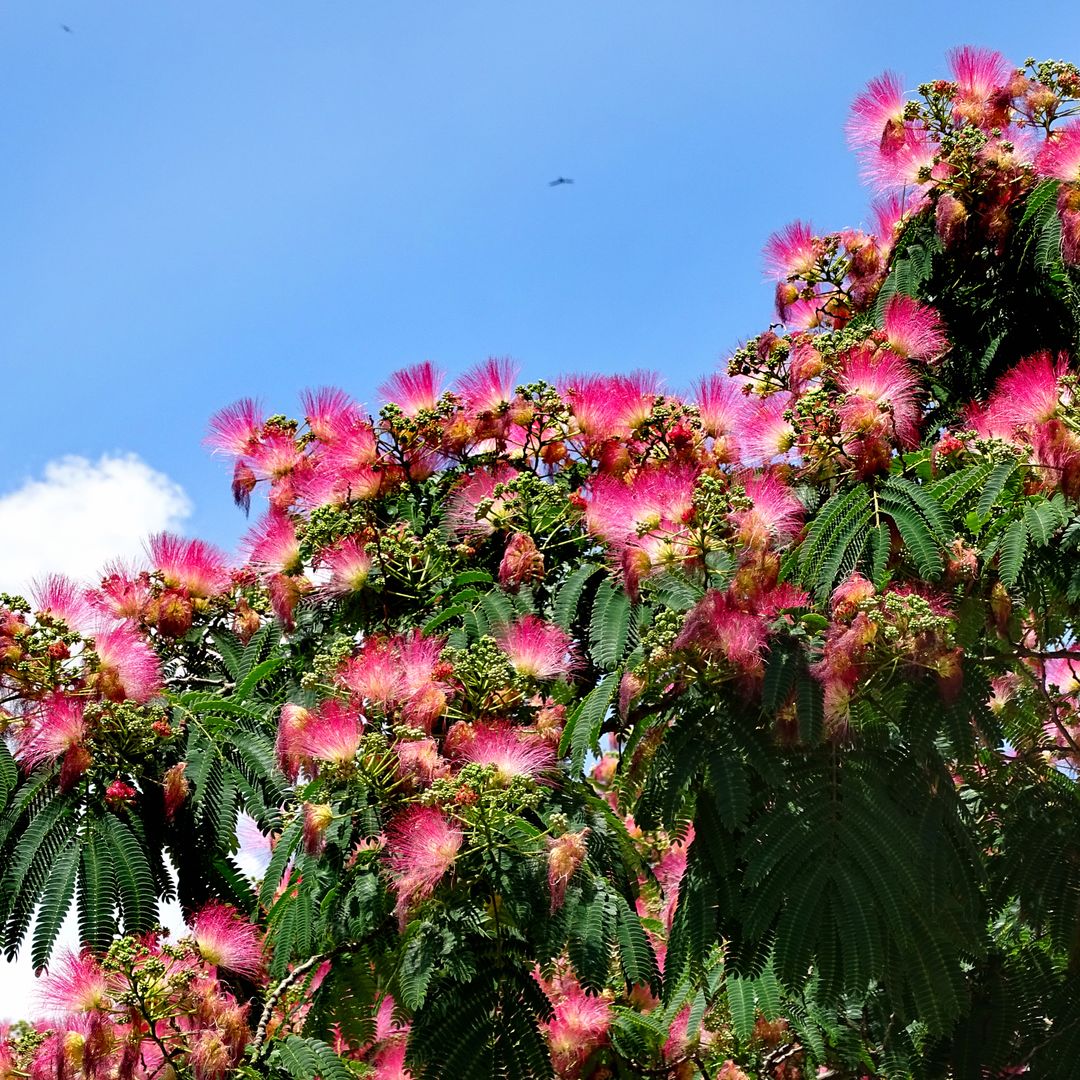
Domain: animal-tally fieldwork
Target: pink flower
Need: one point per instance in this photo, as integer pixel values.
(64, 599)
(317, 818)
(880, 398)
(476, 489)
(330, 412)
(610, 406)
(193, 565)
(128, 667)
(580, 1024)
(565, 855)
(510, 751)
(349, 565)
(538, 650)
(906, 168)
(54, 726)
(235, 429)
(522, 562)
(419, 761)
(768, 435)
(1060, 156)
(76, 984)
(981, 76)
(893, 211)
(124, 593)
(1030, 394)
(723, 408)
(913, 330)
(774, 516)
(331, 735)
(414, 388)
(1063, 674)
(422, 844)
(344, 469)
(877, 115)
(793, 252)
(272, 545)
(658, 499)
(716, 627)
(226, 939)
(489, 386)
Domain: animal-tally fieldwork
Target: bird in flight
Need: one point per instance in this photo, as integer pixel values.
(65, 28)
(559, 180)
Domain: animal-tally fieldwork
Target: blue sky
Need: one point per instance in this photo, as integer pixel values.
(204, 200)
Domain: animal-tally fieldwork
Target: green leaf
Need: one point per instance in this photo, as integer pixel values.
(55, 902)
(582, 732)
(566, 607)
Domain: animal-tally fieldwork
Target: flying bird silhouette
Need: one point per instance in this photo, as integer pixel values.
(559, 180)
(65, 28)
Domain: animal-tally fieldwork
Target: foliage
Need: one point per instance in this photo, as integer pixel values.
(593, 730)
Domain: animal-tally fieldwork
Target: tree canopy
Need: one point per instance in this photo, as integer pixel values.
(589, 728)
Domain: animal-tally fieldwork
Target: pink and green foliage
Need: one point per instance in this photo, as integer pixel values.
(598, 729)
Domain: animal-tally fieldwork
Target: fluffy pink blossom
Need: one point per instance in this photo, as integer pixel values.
(1063, 673)
(880, 401)
(331, 734)
(581, 1024)
(489, 386)
(463, 513)
(419, 761)
(981, 76)
(235, 430)
(774, 516)
(194, 565)
(510, 751)
(55, 725)
(272, 544)
(793, 252)
(128, 668)
(292, 723)
(227, 940)
(422, 844)
(717, 627)
(1031, 393)
(75, 984)
(537, 649)
(414, 388)
(330, 412)
(317, 818)
(124, 593)
(768, 434)
(565, 854)
(877, 115)
(913, 330)
(1059, 157)
(60, 597)
(906, 167)
(610, 406)
(892, 211)
(658, 498)
(723, 407)
(348, 565)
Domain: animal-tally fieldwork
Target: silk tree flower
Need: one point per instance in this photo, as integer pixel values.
(348, 565)
(57, 596)
(912, 330)
(723, 407)
(905, 168)
(1063, 674)
(419, 762)
(488, 387)
(292, 723)
(317, 818)
(880, 400)
(609, 407)
(50, 728)
(175, 789)
(537, 649)
(1031, 393)
(982, 93)
(235, 430)
(123, 593)
(659, 498)
(472, 491)
(793, 252)
(414, 389)
(768, 434)
(510, 751)
(774, 516)
(330, 413)
(522, 562)
(580, 1024)
(272, 545)
(128, 668)
(716, 627)
(876, 122)
(194, 565)
(422, 845)
(227, 940)
(1059, 158)
(75, 984)
(331, 735)
(565, 854)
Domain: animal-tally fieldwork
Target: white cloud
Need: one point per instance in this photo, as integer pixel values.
(82, 514)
